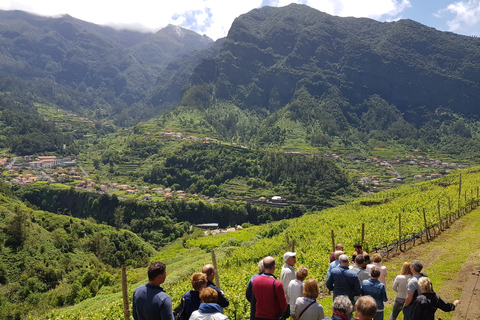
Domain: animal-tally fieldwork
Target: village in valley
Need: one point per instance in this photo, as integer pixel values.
(22, 171)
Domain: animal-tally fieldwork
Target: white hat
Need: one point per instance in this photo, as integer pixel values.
(288, 255)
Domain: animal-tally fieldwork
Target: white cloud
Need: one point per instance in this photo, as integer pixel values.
(466, 14)
(211, 17)
(375, 9)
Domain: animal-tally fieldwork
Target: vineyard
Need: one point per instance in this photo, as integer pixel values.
(383, 221)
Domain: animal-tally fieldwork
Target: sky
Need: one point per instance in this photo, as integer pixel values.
(214, 17)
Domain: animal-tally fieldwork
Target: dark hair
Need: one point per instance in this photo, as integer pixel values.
(357, 245)
(360, 259)
(155, 269)
(375, 272)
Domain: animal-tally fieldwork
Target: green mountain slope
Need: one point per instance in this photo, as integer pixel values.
(330, 81)
(84, 67)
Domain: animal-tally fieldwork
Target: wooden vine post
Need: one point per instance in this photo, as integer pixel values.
(439, 216)
(363, 233)
(459, 195)
(293, 245)
(333, 241)
(399, 231)
(426, 228)
(214, 262)
(126, 304)
(449, 211)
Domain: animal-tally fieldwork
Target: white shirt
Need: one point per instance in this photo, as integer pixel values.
(295, 290)
(400, 285)
(287, 275)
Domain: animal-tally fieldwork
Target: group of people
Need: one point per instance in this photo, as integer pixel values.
(358, 284)
(361, 277)
(205, 302)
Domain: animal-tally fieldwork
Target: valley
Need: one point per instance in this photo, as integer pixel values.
(296, 126)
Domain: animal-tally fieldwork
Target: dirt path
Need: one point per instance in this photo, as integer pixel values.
(452, 261)
(470, 306)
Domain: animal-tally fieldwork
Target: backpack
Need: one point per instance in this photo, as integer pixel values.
(179, 311)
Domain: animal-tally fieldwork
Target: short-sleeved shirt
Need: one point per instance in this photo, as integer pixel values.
(150, 302)
(412, 285)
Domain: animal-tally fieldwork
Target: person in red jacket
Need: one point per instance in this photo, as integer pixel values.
(269, 292)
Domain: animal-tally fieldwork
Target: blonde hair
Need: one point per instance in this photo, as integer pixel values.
(199, 280)
(301, 273)
(337, 254)
(377, 258)
(310, 289)
(209, 295)
(424, 284)
(406, 268)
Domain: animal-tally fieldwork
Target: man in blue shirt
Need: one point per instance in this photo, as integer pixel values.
(343, 281)
(150, 302)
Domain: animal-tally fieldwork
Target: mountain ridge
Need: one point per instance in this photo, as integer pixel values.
(72, 57)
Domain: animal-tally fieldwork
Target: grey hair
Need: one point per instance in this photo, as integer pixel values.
(417, 265)
(342, 304)
(261, 268)
(343, 258)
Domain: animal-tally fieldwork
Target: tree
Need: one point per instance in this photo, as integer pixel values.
(17, 227)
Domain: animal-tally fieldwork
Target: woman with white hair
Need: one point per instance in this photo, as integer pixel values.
(428, 302)
(342, 307)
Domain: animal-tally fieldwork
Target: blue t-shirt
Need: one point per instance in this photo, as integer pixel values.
(150, 302)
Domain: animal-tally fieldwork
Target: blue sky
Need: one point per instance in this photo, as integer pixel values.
(214, 17)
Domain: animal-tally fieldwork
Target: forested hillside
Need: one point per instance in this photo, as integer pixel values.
(50, 260)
